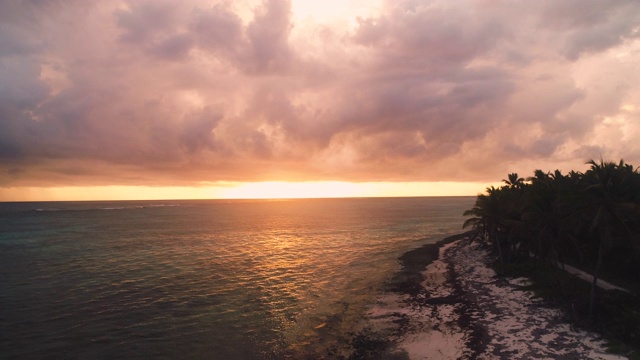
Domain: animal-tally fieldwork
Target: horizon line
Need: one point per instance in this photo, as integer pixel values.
(246, 199)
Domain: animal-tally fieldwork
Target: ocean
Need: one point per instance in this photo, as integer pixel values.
(205, 279)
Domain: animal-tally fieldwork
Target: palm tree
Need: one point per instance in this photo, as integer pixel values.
(487, 215)
(609, 208)
(540, 214)
(513, 181)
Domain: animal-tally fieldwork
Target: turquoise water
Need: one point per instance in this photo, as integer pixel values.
(202, 279)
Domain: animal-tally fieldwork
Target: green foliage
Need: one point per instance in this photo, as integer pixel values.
(590, 220)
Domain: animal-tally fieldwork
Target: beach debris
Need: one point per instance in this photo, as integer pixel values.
(465, 312)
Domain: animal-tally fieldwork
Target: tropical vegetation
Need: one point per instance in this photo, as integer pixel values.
(590, 220)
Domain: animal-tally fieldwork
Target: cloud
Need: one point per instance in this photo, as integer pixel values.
(428, 34)
(217, 29)
(591, 26)
(179, 93)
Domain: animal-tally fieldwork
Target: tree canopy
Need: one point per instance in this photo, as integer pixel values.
(590, 220)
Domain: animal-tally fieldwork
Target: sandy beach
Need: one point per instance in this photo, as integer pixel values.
(460, 310)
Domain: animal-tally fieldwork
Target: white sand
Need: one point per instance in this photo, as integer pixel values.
(517, 323)
(475, 314)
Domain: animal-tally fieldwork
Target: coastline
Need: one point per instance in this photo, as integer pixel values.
(446, 303)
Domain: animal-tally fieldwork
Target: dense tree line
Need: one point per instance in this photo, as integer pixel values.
(590, 220)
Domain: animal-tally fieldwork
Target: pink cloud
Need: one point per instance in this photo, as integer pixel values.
(167, 93)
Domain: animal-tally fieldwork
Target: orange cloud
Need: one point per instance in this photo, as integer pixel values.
(161, 93)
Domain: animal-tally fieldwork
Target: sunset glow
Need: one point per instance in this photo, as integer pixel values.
(260, 190)
(344, 189)
(294, 190)
(297, 98)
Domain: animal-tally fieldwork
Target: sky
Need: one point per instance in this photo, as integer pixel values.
(200, 99)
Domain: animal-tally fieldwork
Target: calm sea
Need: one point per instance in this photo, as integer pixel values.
(202, 279)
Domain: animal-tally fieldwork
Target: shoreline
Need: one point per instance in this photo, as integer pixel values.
(410, 277)
(447, 303)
